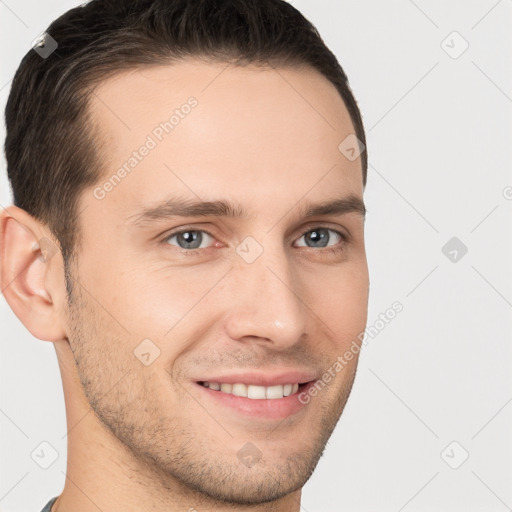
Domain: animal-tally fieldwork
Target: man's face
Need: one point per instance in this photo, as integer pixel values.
(271, 293)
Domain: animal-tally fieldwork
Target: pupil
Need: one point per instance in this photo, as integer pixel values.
(318, 236)
(191, 238)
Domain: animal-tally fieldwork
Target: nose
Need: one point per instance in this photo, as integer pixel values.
(265, 305)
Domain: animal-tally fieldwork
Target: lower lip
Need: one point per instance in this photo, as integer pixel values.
(271, 408)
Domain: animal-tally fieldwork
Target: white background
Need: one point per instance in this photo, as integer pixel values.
(439, 140)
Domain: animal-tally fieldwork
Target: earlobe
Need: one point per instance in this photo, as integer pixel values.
(28, 263)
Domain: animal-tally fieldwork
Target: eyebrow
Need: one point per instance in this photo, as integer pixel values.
(181, 207)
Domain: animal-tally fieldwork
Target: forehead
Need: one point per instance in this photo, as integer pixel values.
(212, 126)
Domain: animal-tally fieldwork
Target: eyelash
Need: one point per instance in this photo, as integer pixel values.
(332, 249)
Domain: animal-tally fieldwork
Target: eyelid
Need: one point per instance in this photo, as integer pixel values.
(343, 232)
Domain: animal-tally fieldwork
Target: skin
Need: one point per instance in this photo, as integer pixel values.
(143, 437)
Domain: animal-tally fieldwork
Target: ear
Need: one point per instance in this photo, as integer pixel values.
(31, 274)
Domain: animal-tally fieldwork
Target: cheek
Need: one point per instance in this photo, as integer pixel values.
(343, 303)
(152, 300)
(169, 306)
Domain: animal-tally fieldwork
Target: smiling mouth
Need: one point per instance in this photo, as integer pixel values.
(255, 392)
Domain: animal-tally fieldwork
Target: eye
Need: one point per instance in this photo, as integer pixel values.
(189, 238)
(320, 237)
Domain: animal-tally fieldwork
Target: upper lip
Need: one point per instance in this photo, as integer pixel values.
(263, 379)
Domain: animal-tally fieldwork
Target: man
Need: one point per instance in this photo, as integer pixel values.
(188, 231)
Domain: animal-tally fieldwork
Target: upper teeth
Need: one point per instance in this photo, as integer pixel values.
(257, 392)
